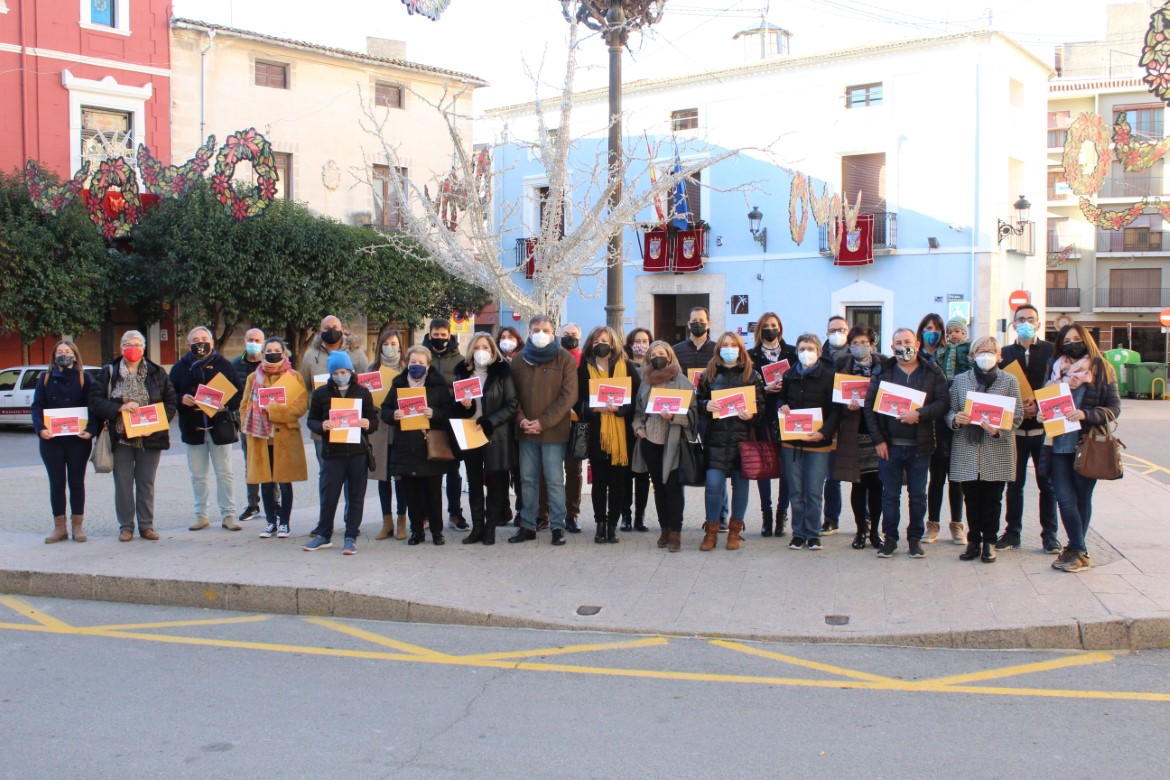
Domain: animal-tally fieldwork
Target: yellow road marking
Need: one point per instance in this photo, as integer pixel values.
(568, 649)
(790, 659)
(377, 639)
(1151, 466)
(1082, 659)
(175, 624)
(18, 606)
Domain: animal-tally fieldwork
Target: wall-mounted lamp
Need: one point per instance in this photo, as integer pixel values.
(760, 235)
(1007, 229)
(932, 242)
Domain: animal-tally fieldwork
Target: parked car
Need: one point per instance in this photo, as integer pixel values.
(16, 391)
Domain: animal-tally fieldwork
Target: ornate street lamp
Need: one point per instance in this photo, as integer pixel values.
(1005, 229)
(614, 19)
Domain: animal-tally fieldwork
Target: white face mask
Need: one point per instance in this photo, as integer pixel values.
(837, 339)
(808, 357)
(482, 357)
(540, 339)
(985, 361)
(507, 346)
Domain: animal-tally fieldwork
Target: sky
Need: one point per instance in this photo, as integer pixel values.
(504, 42)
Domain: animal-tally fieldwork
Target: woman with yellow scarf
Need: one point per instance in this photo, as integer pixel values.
(607, 385)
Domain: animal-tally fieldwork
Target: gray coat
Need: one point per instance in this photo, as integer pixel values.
(991, 458)
(679, 423)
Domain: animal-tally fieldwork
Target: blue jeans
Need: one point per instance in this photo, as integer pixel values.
(1074, 496)
(201, 458)
(832, 494)
(716, 494)
(1031, 447)
(905, 466)
(547, 458)
(806, 473)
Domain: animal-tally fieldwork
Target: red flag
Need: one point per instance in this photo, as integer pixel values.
(857, 245)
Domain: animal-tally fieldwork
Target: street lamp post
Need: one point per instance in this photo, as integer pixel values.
(614, 19)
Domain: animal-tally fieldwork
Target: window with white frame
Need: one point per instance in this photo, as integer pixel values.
(106, 133)
(104, 116)
(684, 119)
(107, 15)
(861, 95)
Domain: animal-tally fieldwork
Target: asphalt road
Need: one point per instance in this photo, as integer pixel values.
(103, 690)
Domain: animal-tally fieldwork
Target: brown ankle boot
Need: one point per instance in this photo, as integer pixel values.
(674, 542)
(387, 527)
(710, 536)
(400, 534)
(78, 532)
(734, 534)
(663, 538)
(59, 533)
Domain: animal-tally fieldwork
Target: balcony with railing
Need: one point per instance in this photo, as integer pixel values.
(1131, 187)
(885, 233)
(1132, 241)
(1056, 138)
(1063, 299)
(1059, 244)
(1132, 299)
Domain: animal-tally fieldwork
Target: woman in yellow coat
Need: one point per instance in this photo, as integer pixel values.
(270, 420)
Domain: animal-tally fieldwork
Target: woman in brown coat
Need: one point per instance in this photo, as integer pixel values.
(276, 453)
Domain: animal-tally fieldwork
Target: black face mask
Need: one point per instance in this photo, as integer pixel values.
(658, 363)
(698, 328)
(1075, 350)
(439, 345)
(571, 342)
(63, 361)
(331, 336)
(602, 350)
(200, 349)
(273, 357)
(769, 334)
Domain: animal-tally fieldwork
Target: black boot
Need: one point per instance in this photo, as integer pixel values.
(972, 551)
(626, 523)
(417, 534)
(767, 523)
(477, 529)
(781, 522)
(988, 555)
(859, 539)
(599, 534)
(640, 523)
(489, 533)
(875, 535)
(611, 532)
(571, 525)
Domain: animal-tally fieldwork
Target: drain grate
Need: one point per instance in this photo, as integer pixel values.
(837, 620)
(587, 610)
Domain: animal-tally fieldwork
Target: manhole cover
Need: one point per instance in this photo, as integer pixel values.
(837, 620)
(586, 611)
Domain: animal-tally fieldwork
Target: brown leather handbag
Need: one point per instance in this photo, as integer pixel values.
(1099, 451)
(438, 446)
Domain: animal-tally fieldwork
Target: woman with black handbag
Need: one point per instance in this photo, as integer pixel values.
(1078, 362)
(660, 440)
(856, 460)
(808, 385)
(409, 457)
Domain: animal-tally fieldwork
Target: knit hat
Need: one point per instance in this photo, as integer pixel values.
(957, 322)
(339, 360)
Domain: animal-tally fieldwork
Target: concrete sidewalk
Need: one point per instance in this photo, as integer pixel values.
(763, 591)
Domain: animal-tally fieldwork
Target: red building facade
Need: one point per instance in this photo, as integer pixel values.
(81, 79)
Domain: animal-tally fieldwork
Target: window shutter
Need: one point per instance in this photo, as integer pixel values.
(865, 173)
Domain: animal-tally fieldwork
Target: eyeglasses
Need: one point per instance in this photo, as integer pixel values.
(838, 330)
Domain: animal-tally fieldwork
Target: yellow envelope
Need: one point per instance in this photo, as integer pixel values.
(625, 382)
(147, 420)
(292, 387)
(345, 435)
(799, 423)
(695, 375)
(683, 396)
(388, 375)
(1055, 402)
(414, 422)
(749, 396)
(1015, 369)
(222, 384)
(468, 434)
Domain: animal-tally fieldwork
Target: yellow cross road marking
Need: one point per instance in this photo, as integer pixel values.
(657, 641)
(378, 639)
(1011, 671)
(789, 659)
(1151, 467)
(176, 624)
(18, 606)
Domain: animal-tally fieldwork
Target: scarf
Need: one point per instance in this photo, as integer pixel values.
(613, 428)
(863, 369)
(132, 387)
(656, 378)
(771, 353)
(1076, 374)
(975, 434)
(256, 422)
(538, 357)
(951, 360)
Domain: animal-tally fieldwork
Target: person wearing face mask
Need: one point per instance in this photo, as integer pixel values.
(574, 479)
(659, 443)
(509, 341)
(634, 513)
(571, 341)
(731, 368)
(487, 466)
(445, 356)
(245, 364)
(696, 350)
(1033, 357)
(856, 460)
(805, 462)
(1078, 362)
(409, 461)
(983, 455)
(346, 464)
(953, 357)
(276, 452)
(130, 382)
(65, 385)
(905, 443)
(200, 366)
(390, 491)
(770, 347)
(611, 437)
(836, 344)
(930, 336)
(546, 387)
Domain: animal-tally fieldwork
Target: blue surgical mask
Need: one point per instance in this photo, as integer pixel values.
(253, 349)
(341, 378)
(930, 337)
(416, 371)
(1025, 330)
(729, 355)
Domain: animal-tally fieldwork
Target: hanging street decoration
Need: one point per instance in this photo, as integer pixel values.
(431, 9)
(1060, 258)
(173, 181)
(250, 146)
(48, 198)
(1112, 220)
(820, 206)
(1156, 54)
(798, 207)
(116, 214)
(1091, 128)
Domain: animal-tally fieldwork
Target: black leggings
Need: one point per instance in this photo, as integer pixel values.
(940, 464)
(424, 501)
(668, 496)
(984, 503)
(866, 500)
(65, 459)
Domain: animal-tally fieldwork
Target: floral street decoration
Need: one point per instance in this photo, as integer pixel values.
(1091, 128)
(116, 214)
(47, 197)
(851, 212)
(1061, 257)
(820, 206)
(1156, 54)
(428, 8)
(173, 181)
(1112, 220)
(245, 145)
(834, 225)
(1135, 155)
(798, 214)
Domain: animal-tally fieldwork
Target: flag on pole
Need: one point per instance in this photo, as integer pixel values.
(654, 183)
(682, 210)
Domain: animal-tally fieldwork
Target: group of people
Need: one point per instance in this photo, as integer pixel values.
(542, 403)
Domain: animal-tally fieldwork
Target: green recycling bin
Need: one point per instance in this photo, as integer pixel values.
(1142, 376)
(1122, 359)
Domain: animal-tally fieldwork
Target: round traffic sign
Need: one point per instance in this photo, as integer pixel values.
(516, 316)
(1018, 299)
(1164, 318)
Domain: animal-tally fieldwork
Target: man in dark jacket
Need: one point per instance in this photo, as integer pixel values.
(244, 364)
(344, 464)
(445, 356)
(905, 443)
(200, 366)
(836, 344)
(1033, 356)
(697, 349)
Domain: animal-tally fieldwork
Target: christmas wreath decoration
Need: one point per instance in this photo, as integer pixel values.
(1115, 220)
(1135, 155)
(1156, 54)
(173, 181)
(798, 215)
(1091, 128)
(125, 208)
(47, 197)
(250, 146)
